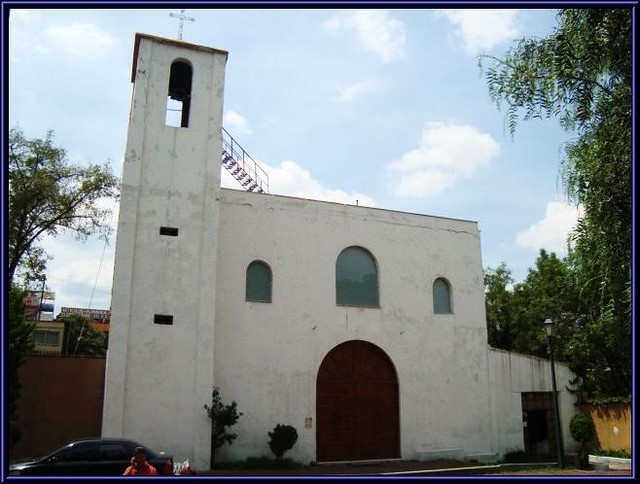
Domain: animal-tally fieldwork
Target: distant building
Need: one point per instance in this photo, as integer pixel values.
(47, 337)
(100, 317)
(47, 334)
(97, 315)
(38, 305)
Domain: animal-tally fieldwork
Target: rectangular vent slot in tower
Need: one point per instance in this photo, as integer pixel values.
(162, 319)
(172, 231)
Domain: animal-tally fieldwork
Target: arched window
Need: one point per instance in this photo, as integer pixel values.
(356, 278)
(179, 95)
(258, 286)
(441, 296)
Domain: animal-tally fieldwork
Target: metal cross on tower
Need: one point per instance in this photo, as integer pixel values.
(182, 18)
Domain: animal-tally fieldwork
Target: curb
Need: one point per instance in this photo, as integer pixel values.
(452, 470)
(609, 463)
(486, 469)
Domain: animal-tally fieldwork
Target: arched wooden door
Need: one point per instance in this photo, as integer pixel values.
(357, 405)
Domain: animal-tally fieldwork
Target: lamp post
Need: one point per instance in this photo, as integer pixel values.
(548, 328)
(44, 280)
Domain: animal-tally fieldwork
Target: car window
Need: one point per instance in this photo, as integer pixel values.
(114, 451)
(77, 452)
(130, 447)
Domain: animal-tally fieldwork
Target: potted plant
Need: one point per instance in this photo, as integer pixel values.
(583, 430)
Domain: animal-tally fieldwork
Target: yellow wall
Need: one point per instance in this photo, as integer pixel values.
(613, 425)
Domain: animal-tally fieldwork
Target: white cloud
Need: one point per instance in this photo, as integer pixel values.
(24, 38)
(236, 124)
(423, 183)
(68, 42)
(78, 41)
(292, 180)
(24, 16)
(376, 30)
(350, 93)
(446, 153)
(80, 273)
(333, 24)
(551, 232)
(482, 30)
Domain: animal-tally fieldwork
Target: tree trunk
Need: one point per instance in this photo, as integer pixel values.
(582, 461)
(212, 453)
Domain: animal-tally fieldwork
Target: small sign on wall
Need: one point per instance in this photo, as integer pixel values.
(308, 422)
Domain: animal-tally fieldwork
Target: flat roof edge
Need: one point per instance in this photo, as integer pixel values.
(366, 207)
(175, 42)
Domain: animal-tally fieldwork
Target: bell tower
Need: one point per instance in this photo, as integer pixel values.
(164, 282)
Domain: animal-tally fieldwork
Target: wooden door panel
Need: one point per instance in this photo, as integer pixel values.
(357, 404)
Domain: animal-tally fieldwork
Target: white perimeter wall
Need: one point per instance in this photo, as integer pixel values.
(511, 374)
(267, 355)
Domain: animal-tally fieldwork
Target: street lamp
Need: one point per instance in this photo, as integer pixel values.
(44, 281)
(548, 328)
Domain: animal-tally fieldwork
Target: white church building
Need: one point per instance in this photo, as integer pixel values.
(363, 328)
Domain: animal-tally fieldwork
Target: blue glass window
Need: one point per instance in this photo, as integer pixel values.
(441, 296)
(356, 278)
(258, 282)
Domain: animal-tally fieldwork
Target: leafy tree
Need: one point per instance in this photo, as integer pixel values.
(222, 416)
(547, 291)
(581, 73)
(498, 304)
(20, 344)
(601, 353)
(47, 195)
(81, 338)
(282, 438)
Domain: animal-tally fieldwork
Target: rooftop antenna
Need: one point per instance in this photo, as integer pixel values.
(182, 18)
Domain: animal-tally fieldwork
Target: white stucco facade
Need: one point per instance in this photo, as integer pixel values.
(272, 352)
(455, 396)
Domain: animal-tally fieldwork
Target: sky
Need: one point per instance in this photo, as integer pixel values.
(380, 107)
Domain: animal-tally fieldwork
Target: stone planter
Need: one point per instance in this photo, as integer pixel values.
(601, 462)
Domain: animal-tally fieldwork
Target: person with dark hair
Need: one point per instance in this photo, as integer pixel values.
(139, 465)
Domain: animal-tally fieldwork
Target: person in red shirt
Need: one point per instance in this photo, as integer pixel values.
(139, 465)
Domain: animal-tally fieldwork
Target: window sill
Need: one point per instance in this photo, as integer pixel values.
(358, 306)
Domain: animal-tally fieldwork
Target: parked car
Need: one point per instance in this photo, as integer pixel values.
(90, 457)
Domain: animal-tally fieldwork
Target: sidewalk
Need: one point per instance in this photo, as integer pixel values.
(350, 468)
(416, 468)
